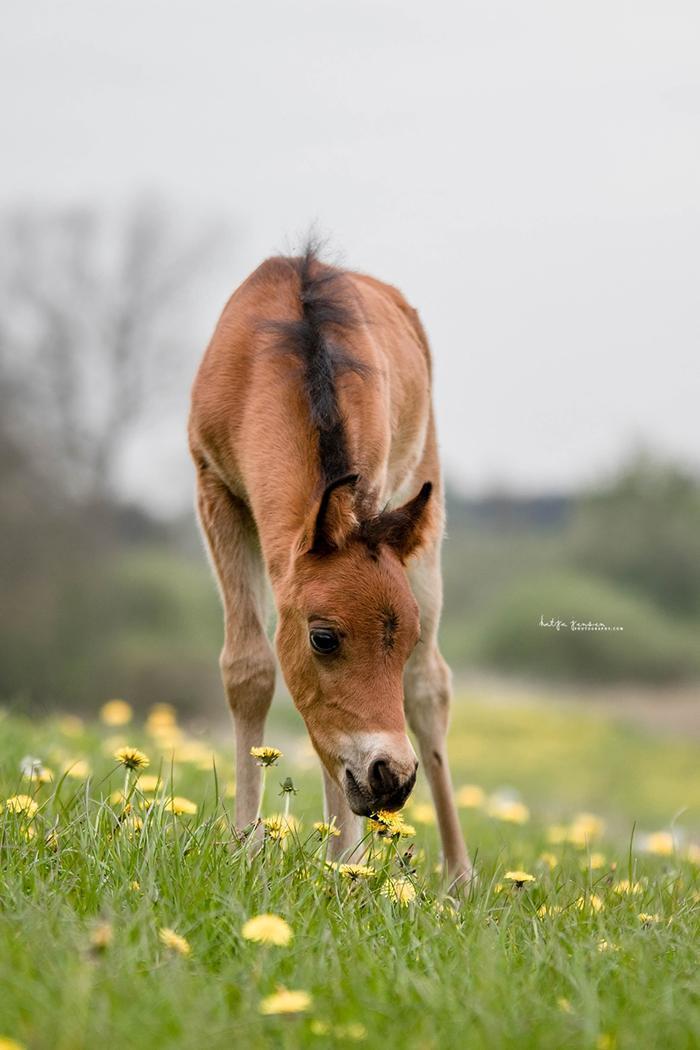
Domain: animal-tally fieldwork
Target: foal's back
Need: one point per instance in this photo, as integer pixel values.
(251, 418)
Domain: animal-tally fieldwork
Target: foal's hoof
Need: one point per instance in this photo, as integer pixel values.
(462, 880)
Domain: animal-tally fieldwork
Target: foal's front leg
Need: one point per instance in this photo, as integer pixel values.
(247, 664)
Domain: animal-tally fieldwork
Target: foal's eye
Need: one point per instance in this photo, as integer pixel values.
(324, 640)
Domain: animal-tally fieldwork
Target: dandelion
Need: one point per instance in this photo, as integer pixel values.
(585, 826)
(353, 872)
(10, 1044)
(161, 716)
(548, 911)
(70, 725)
(423, 813)
(33, 769)
(470, 796)
(268, 929)
(131, 758)
(596, 861)
(101, 936)
(625, 886)
(285, 1001)
(266, 756)
(78, 769)
(519, 878)
(550, 859)
(326, 830)
(173, 941)
(150, 783)
(660, 843)
(648, 920)
(390, 825)
(135, 886)
(23, 804)
(692, 853)
(277, 826)
(593, 902)
(399, 891)
(509, 810)
(564, 1005)
(116, 713)
(180, 806)
(355, 1032)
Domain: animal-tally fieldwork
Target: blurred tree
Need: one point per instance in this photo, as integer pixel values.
(92, 312)
(642, 530)
(91, 321)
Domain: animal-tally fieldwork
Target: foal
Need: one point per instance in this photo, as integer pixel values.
(312, 434)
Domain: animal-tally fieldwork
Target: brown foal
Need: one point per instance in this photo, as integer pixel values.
(313, 437)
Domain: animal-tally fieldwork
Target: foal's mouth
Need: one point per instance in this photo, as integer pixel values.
(364, 804)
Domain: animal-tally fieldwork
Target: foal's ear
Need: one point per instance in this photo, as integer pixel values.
(402, 529)
(335, 517)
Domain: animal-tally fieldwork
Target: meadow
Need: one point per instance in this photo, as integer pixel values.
(126, 897)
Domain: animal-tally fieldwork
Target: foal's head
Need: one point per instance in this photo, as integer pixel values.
(347, 624)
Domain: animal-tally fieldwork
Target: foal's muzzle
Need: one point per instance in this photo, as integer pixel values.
(383, 786)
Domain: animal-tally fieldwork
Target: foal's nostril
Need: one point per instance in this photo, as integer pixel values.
(381, 779)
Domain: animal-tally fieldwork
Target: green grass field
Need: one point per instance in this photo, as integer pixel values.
(600, 949)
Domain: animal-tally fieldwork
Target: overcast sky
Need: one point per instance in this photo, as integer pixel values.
(527, 173)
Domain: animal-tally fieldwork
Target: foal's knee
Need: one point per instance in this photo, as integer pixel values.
(249, 681)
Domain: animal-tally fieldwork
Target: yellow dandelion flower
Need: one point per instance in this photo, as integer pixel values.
(625, 886)
(648, 920)
(355, 1032)
(659, 842)
(135, 886)
(596, 861)
(564, 1005)
(399, 891)
(390, 825)
(550, 859)
(23, 804)
(355, 872)
(519, 878)
(557, 834)
(173, 941)
(423, 813)
(149, 783)
(116, 713)
(285, 1001)
(268, 929)
(470, 796)
(10, 1044)
(78, 769)
(266, 756)
(508, 810)
(180, 806)
(161, 716)
(132, 758)
(593, 902)
(585, 826)
(692, 853)
(326, 830)
(70, 725)
(101, 936)
(548, 911)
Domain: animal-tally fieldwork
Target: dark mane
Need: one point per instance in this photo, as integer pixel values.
(316, 339)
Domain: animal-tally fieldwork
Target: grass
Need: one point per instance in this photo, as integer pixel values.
(87, 883)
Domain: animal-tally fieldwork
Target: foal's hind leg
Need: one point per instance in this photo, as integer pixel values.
(247, 664)
(427, 691)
